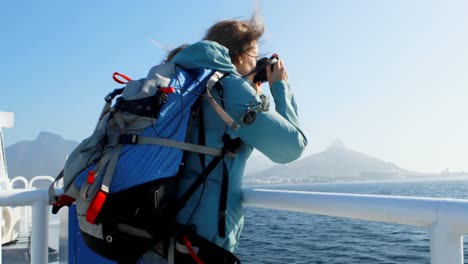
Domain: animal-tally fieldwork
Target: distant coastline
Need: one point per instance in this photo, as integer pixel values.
(46, 155)
(259, 179)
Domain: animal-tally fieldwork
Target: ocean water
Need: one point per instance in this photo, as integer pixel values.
(272, 236)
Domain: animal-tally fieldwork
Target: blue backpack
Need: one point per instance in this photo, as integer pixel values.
(123, 178)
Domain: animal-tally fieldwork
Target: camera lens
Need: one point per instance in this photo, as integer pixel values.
(260, 68)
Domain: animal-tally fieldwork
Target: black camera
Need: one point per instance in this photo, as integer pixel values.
(260, 68)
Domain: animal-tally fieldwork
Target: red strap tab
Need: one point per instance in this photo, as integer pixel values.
(116, 74)
(91, 175)
(167, 90)
(64, 200)
(95, 206)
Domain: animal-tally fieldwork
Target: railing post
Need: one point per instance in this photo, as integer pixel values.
(40, 232)
(1, 238)
(446, 246)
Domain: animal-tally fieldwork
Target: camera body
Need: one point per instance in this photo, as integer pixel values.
(260, 68)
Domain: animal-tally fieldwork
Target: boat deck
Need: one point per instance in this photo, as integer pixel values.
(18, 253)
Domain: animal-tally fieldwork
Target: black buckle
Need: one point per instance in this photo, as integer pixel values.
(128, 139)
(249, 117)
(231, 145)
(113, 94)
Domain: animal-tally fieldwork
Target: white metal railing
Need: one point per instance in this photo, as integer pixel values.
(447, 219)
(39, 202)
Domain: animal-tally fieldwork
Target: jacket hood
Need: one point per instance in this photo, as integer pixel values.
(205, 54)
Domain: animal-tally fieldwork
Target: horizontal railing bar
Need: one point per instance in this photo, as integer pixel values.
(22, 197)
(449, 217)
(417, 211)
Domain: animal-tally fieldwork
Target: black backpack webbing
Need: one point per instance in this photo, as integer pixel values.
(233, 147)
(202, 177)
(230, 146)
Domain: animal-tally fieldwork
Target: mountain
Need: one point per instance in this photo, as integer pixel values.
(257, 162)
(45, 155)
(336, 163)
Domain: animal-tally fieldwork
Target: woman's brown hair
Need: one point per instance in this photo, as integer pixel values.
(236, 35)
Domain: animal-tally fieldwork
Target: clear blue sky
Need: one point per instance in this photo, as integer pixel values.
(388, 78)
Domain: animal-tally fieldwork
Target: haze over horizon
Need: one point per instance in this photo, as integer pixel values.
(46, 155)
(388, 78)
(60, 146)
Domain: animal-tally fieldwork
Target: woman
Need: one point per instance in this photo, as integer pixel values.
(231, 46)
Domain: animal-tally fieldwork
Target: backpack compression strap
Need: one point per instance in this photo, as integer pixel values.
(100, 197)
(135, 139)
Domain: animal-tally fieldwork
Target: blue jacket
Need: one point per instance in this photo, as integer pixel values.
(276, 133)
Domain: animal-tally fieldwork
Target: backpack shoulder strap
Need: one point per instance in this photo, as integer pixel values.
(217, 76)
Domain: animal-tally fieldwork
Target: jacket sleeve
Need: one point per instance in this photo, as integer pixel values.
(276, 132)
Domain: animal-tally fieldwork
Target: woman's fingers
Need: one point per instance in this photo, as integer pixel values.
(279, 73)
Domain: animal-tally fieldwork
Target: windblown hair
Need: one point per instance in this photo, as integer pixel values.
(236, 35)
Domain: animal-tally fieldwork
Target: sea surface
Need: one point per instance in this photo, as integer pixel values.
(273, 236)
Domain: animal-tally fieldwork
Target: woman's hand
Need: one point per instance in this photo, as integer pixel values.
(279, 72)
